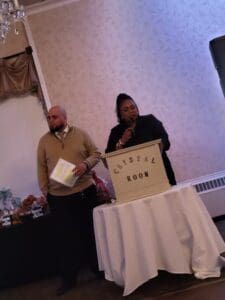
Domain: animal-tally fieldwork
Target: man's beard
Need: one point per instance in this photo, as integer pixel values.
(57, 128)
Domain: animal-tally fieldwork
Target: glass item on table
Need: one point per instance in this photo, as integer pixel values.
(5, 219)
(36, 210)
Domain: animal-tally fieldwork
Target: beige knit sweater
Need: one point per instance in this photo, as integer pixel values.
(76, 147)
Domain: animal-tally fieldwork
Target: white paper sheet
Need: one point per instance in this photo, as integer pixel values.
(63, 173)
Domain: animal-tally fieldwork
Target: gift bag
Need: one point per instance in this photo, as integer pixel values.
(103, 193)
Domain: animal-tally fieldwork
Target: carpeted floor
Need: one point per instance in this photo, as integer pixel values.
(165, 286)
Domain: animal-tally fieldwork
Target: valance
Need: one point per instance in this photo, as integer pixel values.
(18, 77)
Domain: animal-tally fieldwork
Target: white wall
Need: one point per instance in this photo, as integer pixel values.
(22, 122)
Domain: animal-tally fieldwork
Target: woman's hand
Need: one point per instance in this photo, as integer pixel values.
(126, 135)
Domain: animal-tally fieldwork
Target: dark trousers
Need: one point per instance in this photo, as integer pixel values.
(73, 231)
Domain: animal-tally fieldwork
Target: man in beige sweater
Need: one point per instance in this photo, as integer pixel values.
(71, 207)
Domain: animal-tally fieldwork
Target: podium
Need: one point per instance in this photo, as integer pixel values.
(137, 171)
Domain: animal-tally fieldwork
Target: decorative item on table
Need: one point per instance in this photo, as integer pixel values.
(8, 201)
(5, 220)
(103, 193)
(40, 207)
(8, 206)
(24, 211)
(37, 209)
(32, 207)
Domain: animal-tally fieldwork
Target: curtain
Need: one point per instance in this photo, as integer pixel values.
(18, 77)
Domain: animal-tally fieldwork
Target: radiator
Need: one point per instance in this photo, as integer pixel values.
(211, 189)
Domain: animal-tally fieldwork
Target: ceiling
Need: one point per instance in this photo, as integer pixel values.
(30, 2)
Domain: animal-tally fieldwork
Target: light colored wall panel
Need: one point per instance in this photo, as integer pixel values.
(22, 123)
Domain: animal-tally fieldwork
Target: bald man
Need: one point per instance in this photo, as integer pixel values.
(71, 207)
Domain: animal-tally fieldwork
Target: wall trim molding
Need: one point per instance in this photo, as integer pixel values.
(205, 178)
(37, 65)
(46, 5)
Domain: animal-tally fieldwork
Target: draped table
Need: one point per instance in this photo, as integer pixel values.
(170, 231)
(27, 252)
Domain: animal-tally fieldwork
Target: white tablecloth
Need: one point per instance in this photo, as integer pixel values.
(170, 231)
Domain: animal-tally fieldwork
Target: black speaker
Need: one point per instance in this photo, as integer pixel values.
(217, 48)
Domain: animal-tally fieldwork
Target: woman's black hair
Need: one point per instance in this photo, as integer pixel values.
(119, 101)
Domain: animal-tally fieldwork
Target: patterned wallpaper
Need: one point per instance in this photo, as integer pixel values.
(156, 51)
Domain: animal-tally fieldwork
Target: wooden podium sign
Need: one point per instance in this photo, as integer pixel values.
(137, 171)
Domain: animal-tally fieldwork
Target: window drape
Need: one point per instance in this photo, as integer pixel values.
(18, 77)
